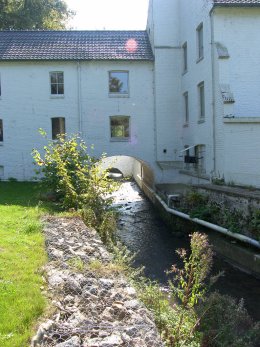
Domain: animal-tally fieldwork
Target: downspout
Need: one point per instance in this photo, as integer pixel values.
(79, 99)
(213, 92)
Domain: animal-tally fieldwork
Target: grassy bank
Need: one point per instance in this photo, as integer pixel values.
(22, 255)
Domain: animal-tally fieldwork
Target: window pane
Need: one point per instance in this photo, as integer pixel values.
(1, 131)
(186, 107)
(60, 89)
(58, 127)
(54, 77)
(57, 83)
(119, 127)
(185, 63)
(200, 41)
(54, 89)
(118, 82)
(60, 77)
(202, 101)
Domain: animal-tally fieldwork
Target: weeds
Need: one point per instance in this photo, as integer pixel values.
(187, 317)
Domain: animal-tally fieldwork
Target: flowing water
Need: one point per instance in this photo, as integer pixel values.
(143, 232)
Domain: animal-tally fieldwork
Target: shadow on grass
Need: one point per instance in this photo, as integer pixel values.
(25, 194)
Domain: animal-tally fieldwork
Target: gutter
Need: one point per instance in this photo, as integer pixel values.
(240, 237)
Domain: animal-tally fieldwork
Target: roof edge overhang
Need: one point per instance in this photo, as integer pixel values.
(75, 60)
(235, 5)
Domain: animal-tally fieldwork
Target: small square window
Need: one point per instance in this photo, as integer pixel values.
(119, 128)
(1, 131)
(118, 82)
(200, 47)
(185, 57)
(57, 83)
(58, 127)
(201, 93)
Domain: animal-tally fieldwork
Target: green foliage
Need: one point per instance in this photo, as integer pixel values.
(254, 224)
(199, 206)
(77, 264)
(107, 228)
(175, 316)
(187, 317)
(68, 170)
(226, 323)
(34, 14)
(22, 255)
(188, 285)
(176, 325)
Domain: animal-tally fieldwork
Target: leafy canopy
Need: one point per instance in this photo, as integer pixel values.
(34, 14)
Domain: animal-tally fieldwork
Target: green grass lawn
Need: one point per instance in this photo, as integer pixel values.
(22, 254)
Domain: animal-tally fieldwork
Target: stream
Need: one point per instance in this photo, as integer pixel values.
(143, 232)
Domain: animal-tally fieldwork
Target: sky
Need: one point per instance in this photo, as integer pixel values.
(108, 14)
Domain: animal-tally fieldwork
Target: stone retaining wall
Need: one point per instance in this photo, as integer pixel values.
(91, 308)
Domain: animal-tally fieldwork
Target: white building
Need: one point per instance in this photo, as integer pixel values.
(207, 89)
(187, 102)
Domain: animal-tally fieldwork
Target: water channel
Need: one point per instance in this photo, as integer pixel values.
(143, 232)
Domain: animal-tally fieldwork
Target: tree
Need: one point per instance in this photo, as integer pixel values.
(34, 14)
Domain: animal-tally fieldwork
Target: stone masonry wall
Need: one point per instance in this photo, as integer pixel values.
(91, 308)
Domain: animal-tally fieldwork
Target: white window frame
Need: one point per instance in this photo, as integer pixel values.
(61, 126)
(118, 93)
(119, 138)
(57, 95)
(200, 42)
(201, 101)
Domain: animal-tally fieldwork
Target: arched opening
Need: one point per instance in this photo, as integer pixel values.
(130, 167)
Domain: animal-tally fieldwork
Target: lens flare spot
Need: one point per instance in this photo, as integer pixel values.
(131, 45)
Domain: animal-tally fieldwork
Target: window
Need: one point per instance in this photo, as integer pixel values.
(1, 172)
(186, 107)
(119, 127)
(200, 155)
(185, 57)
(201, 101)
(118, 82)
(1, 131)
(58, 127)
(57, 83)
(200, 47)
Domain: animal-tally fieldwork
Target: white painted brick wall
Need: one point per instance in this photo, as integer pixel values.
(26, 106)
(238, 158)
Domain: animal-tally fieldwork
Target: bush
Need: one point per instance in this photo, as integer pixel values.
(226, 323)
(73, 175)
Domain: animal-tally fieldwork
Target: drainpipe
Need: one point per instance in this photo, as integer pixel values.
(213, 91)
(212, 226)
(215, 227)
(79, 98)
